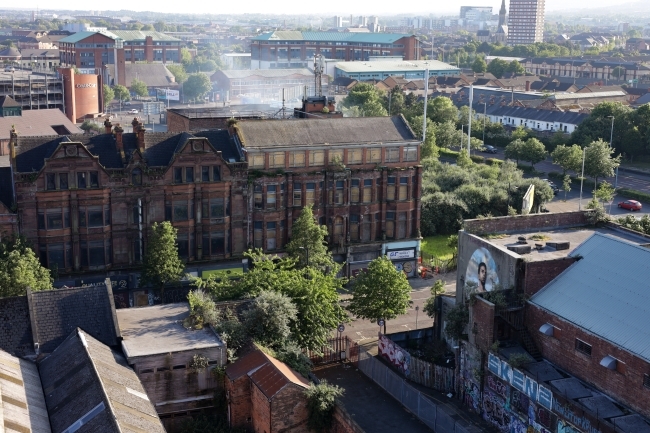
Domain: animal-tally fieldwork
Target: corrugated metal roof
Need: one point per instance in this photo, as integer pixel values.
(607, 293)
(395, 66)
(377, 38)
(266, 73)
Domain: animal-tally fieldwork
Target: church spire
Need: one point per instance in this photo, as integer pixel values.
(502, 13)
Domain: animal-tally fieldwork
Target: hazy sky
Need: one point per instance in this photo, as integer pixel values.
(331, 7)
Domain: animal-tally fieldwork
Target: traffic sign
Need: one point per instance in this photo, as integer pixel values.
(380, 322)
(341, 328)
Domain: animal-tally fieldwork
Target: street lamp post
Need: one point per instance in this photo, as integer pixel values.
(582, 177)
(417, 309)
(611, 138)
(484, 117)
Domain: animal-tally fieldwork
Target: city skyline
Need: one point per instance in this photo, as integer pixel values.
(335, 7)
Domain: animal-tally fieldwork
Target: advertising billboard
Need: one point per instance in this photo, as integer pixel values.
(168, 94)
(529, 197)
(482, 266)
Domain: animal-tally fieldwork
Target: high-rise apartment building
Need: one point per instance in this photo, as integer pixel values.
(526, 22)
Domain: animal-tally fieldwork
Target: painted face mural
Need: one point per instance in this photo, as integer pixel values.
(482, 271)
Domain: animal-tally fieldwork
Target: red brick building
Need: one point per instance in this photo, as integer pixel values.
(265, 395)
(86, 202)
(91, 52)
(557, 333)
(361, 175)
(294, 49)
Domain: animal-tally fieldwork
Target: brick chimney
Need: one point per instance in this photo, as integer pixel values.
(527, 85)
(140, 136)
(134, 124)
(108, 126)
(13, 142)
(119, 143)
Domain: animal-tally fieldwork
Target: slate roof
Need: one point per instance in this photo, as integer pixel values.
(15, 326)
(152, 74)
(300, 132)
(56, 313)
(160, 148)
(8, 101)
(87, 383)
(21, 397)
(568, 117)
(605, 293)
(267, 373)
(36, 123)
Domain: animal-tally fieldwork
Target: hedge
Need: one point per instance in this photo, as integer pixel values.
(634, 194)
(448, 152)
(478, 159)
(493, 161)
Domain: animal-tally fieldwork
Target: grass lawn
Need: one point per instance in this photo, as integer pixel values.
(437, 246)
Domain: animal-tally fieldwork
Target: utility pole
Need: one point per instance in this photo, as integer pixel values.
(426, 96)
(469, 126)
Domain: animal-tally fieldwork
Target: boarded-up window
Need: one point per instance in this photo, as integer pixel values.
(297, 159)
(355, 156)
(256, 160)
(276, 160)
(374, 155)
(316, 157)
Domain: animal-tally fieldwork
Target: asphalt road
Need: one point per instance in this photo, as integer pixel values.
(365, 331)
(572, 203)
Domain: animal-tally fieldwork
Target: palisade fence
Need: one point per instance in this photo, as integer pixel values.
(435, 416)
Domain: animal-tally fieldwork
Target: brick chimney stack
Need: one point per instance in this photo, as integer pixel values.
(108, 126)
(13, 142)
(140, 136)
(527, 86)
(118, 141)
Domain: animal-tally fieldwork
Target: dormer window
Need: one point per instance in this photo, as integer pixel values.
(136, 176)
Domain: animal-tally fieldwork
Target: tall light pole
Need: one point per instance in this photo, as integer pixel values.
(484, 117)
(611, 138)
(582, 177)
(306, 253)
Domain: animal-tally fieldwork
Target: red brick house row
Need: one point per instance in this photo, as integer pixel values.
(86, 202)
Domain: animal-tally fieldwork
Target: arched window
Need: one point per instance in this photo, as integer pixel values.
(136, 176)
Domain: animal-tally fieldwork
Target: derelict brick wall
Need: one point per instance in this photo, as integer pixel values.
(539, 274)
(239, 401)
(260, 410)
(289, 410)
(525, 223)
(625, 385)
(177, 123)
(343, 422)
(482, 321)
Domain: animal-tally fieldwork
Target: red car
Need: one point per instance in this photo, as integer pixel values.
(630, 205)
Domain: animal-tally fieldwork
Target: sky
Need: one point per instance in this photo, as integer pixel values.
(331, 7)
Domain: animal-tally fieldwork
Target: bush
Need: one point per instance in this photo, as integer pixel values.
(633, 194)
(321, 402)
(494, 161)
(478, 159)
(448, 152)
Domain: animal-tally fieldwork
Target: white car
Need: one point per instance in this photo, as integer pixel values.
(133, 111)
(10, 69)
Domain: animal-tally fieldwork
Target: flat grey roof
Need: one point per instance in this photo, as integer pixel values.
(395, 66)
(159, 329)
(575, 236)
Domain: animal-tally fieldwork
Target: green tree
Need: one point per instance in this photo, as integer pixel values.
(463, 159)
(429, 148)
(533, 151)
(139, 87)
(196, 86)
(497, 67)
(367, 98)
(515, 68)
(520, 133)
(566, 185)
(618, 72)
(599, 161)
(186, 56)
(479, 66)
(447, 135)
(321, 403)
(107, 94)
(604, 192)
(429, 308)
(568, 157)
(121, 92)
(440, 110)
(161, 264)
(308, 244)
(394, 101)
(382, 292)
(159, 26)
(268, 319)
(178, 71)
(515, 150)
(20, 268)
(88, 126)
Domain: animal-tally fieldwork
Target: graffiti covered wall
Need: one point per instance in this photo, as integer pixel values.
(482, 266)
(397, 356)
